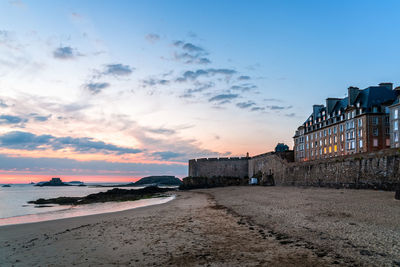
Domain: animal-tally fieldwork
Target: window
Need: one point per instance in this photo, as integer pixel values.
(375, 131)
(359, 122)
(335, 148)
(375, 142)
(329, 131)
(341, 128)
(352, 144)
(396, 125)
(359, 133)
(335, 130)
(387, 130)
(396, 114)
(375, 109)
(375, 120)
(324, 132)
(387, 142)
(330, 149)
(353, 113)
(334, 139)
(361, 143)
(396, 136)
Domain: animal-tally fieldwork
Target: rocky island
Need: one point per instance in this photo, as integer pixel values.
(115, 194)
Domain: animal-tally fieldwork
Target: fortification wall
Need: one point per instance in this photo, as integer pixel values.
(378, 170)
(219, 167)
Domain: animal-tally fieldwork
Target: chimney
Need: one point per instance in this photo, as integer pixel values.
(387, 85)
(352, 95)
(330, 104)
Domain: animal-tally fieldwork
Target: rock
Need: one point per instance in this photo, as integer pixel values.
(115, 194)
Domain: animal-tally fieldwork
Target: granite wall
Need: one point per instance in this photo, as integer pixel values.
(219, 167)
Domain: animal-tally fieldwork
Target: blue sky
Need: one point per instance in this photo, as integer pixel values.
(173, 80)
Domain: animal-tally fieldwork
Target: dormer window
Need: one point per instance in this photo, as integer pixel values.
(358, 104)
(375, 109)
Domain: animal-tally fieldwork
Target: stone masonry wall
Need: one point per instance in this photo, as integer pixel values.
(377, 170)
(219, 167)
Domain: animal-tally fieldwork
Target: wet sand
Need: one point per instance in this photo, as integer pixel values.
(233, 226)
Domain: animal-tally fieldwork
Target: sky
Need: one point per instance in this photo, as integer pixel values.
(116, 90)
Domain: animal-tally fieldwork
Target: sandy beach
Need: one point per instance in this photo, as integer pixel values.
(232, 226)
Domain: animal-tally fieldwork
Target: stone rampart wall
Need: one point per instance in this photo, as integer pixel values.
(377, 170)
(219, 167)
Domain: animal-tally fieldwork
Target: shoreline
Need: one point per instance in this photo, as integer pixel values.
(85, 210)
(219, 227)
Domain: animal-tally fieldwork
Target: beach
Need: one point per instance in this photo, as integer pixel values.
(231, 226)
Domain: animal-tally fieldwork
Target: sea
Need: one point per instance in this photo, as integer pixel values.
(14, 207)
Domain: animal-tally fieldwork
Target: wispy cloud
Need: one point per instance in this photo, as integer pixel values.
(96, 88)
(167, 155)
(11, 119)
(30, 141)
(152, 37)
(223, 97)
(66, 52)
(118, 70)
(153, 82)
(243, 78)
(190, 53)
(193, 75)
(244, 105)
(244, 87)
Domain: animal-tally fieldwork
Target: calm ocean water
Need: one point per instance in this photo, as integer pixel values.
(14, 208)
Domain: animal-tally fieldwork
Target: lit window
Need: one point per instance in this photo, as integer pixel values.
(335, 148)
(387, 142)
(330, 149)
(325, 150)
(375, 142)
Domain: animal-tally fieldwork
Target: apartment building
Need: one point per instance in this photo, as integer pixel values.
(357, 123)
(394, 122)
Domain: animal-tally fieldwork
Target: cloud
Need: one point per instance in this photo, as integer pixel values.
(96, 88)
(38, 117)
(10, 119)
(272, 100)
(223, 97)
(190, 53)
(118, 70)
(290, 115)
(193, 75)
(163, 131)
(65, 166)
(65, 52)
(2, 104)
(152, 37)
(243, 78)
(192, 48)
(201, 87)
(257, 109)
(154, 82)
(275, 107)
(167, 155)
(244, 87)
(244, 105)
(29, 141)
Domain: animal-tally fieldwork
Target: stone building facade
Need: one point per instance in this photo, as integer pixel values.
(358, 123)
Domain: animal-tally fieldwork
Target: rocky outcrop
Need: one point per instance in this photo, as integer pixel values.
(115, 194)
